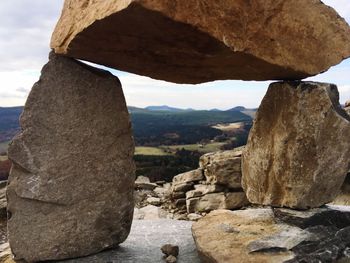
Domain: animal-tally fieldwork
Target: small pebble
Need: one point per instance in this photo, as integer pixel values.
(171, 259)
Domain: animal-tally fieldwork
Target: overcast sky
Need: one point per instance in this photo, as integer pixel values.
(26, 27)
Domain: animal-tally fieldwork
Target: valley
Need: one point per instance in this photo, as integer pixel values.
(168, 140)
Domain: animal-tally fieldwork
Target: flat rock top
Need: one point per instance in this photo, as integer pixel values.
(192, 41)
(144, 243)
(266, 235)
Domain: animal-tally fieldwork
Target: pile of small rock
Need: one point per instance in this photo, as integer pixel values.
(216, 184)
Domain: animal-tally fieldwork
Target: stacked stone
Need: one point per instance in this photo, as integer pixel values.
(183, 183)
(215, 185)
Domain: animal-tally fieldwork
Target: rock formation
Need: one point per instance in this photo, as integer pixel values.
(298, 149)
(70, 191)
(265, 235)
(215, 185)
(249, 40)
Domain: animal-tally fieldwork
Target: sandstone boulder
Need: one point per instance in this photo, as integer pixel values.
(198, 41)
(203, 189)
(188, 177)
(213, 201)
(223, 168)
(298, 149)
(70, 191)
(265, 235)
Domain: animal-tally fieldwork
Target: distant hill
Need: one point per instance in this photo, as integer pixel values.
(152, 125)
(165, 108)
(9, 122)
(238, 108)
(185, 127)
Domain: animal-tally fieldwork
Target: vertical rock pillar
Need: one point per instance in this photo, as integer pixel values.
(70, 190)
(298, 150)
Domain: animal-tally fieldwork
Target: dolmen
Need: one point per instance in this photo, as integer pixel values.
(70, 190)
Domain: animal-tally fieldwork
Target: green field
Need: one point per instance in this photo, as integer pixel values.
(142, 150)
(210, 147)
(169, 150)
(4, 146)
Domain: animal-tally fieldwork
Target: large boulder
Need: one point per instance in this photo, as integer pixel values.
(265, 235)
(298, 149)
(198, 41)
(70, 190)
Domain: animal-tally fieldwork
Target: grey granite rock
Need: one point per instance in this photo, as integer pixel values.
(70, 190)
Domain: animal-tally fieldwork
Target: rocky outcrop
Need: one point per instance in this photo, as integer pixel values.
(298, 149)
(215, 185)
(265, 235)
(70, 191)
(248, 40)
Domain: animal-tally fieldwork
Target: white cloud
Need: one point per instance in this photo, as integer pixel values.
(143, 91)
(15, 86)
(25, 32)
(344, 93)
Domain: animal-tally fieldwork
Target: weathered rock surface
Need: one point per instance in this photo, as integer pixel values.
(264, 235)
(188, 177)
(249, 40)
(223, 168)
(213, 201)
(298, 149)
(70, 191)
